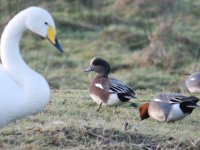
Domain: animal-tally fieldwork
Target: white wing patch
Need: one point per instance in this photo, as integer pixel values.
(99, 86)
(157, 100)
(192, 79)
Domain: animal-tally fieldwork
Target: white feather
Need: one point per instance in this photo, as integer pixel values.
(192, 79)
(96, 98)
(176, 113)
(157, 100)
(99, 86)
(114, 100)
(23, 91)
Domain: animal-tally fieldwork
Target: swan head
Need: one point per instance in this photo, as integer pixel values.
(40, 22)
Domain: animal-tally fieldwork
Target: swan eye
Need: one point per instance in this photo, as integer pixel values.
(46, 23)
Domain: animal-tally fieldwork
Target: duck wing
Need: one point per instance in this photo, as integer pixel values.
(174, 98)
(116, 87)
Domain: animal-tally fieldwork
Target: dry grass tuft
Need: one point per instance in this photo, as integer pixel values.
(156, 53)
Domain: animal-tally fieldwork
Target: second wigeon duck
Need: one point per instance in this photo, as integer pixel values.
(193, 82)
(168, 107)
(104, 90)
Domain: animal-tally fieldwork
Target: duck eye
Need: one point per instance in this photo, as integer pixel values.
(46, 23)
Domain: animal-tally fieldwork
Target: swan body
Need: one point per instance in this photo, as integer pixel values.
(22, 90)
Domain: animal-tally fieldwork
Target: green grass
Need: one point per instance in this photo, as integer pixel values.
(122, 33)
(71, 122)
(128, 36)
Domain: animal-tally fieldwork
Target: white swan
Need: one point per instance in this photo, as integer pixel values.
(22, 90)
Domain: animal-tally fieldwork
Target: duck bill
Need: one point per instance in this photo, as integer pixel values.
(88, 69)
(51, 36)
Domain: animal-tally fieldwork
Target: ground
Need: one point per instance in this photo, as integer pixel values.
(150, 44)
(71, 122)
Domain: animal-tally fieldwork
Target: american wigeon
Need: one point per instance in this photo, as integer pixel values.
(193, 82)
(104, 90)
(168, 107)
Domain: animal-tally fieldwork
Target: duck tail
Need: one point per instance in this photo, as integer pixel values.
(130, 97)
(193, 106)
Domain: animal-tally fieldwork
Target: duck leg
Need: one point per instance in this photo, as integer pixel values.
(126, 126)
(99, 107)
(114, 111)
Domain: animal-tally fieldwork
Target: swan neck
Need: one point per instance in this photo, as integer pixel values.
(10, 54)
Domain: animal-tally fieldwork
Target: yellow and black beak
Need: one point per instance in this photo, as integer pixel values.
(51, 36)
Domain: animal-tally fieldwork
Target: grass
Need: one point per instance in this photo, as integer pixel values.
(71, 122)
(148, 37)
(150, 45)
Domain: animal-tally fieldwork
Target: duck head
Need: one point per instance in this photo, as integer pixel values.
(99, 66)
(143, 110)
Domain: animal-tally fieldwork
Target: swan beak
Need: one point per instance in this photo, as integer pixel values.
(51, 36)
